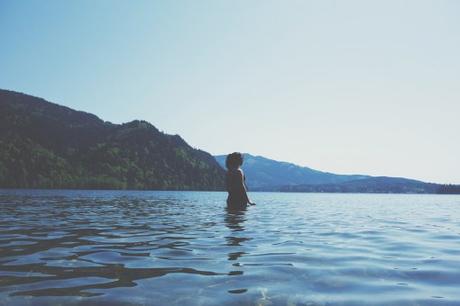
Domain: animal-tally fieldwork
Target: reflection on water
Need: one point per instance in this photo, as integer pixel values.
(234, 219)
(176, 248)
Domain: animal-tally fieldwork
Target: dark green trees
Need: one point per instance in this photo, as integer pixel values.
(44, 145)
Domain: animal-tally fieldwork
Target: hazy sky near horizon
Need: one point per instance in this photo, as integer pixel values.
(369, 87)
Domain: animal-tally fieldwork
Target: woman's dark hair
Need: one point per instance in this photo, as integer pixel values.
(234, 160)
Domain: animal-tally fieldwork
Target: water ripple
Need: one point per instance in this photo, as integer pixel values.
(176, 248)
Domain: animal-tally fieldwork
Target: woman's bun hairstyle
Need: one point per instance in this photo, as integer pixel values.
(234, 160)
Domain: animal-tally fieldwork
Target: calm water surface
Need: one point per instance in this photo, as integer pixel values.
(184, 248)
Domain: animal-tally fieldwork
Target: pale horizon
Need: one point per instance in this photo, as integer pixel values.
(344, 87)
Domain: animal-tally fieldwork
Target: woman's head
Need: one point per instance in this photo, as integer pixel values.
(234, 160)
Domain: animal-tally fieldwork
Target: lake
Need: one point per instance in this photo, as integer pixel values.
(185, 248)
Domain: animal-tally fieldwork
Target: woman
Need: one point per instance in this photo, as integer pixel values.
(236, 186)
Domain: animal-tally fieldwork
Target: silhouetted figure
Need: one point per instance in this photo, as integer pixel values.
(236, 186)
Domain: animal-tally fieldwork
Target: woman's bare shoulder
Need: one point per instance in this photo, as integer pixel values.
(235, 172)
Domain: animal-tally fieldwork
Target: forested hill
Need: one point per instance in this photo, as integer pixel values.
(45, 145)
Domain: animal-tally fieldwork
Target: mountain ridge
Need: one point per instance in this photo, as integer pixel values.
(264, 174)
(46, 145)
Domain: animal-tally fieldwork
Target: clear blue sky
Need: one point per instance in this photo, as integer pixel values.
(368, 87)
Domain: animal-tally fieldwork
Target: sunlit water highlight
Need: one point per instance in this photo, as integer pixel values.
(184, 248)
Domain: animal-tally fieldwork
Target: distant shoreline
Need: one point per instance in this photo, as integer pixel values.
(223, 191)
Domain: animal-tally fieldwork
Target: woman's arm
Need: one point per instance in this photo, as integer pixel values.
(243, 187)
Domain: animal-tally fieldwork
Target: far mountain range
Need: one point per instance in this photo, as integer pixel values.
(263, 174)
(45, 145)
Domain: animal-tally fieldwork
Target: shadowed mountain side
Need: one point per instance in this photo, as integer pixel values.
(45, 145)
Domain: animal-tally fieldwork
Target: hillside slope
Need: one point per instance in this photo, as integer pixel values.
(45, 145)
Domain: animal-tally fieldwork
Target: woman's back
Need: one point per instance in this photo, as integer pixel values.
(234, 180)
(237, 196)
(236, 192)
